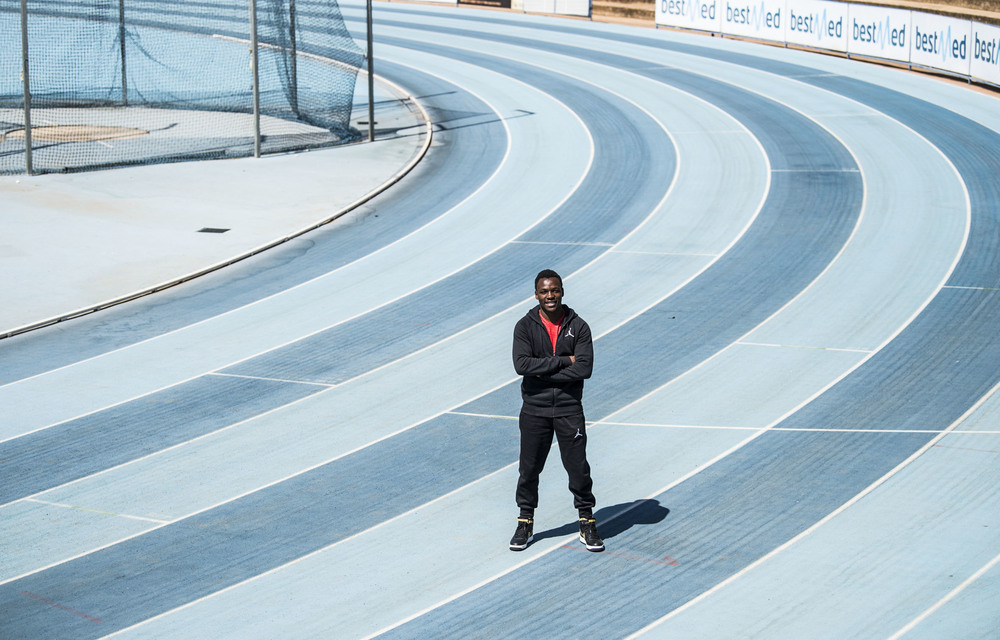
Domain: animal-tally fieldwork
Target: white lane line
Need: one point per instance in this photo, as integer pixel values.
(945, 600)
(952, 286)
(565, 244)
(99, 511)
(718, 427)
(815, 170)
(801, 346)
(325, 385)
(680, 254)
(715, 427)
(481, 415)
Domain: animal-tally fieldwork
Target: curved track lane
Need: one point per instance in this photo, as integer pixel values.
(791, 271)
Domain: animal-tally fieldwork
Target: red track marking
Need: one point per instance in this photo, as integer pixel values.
(60, 606)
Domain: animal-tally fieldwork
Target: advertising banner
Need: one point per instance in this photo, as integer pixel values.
(985, 63)
(561, 7)
(817, 24)
(940, 42)
(759, 19)
(954, 45)
(879, 32)
(703, 15)
(573, 8)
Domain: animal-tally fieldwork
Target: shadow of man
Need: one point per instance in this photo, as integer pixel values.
(615, 519)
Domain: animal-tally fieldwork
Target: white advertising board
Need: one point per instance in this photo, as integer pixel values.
(560, 7)
(954, 45)
(759, 19)
(703, 15)
(573, 8)
(879, 32)
(940, 42)
(817, 24)
(985, 53)
(537, 6)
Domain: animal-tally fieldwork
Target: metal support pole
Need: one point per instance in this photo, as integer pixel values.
(371, 79)
(27, 88)
(121, 38)
(256, 78)
(294, 60)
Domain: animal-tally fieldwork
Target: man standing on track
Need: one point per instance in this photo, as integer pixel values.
(554, 351)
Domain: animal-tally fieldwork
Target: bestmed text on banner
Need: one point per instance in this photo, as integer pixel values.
(879, 32)
(702, 15)
(817, 24)
(985, 63)
(760, 19)
(940, 42)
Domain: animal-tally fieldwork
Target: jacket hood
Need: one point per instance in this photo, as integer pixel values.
(568, 314)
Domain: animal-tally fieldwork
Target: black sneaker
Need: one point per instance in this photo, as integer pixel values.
(589, 536)
(522, 535)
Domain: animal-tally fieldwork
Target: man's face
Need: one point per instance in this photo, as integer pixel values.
(549, 294)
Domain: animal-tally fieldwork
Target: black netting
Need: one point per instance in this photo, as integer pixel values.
(186, 91)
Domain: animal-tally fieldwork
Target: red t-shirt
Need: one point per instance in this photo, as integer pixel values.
(552, 327)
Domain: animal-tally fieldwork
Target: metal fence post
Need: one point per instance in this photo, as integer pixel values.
(121, 38)
(256, 78)
(27, 88)
(294, 58)
(371, 79)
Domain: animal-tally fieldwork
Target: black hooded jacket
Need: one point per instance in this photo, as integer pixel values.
(552, 385)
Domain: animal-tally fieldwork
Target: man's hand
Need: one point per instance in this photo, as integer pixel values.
(572, 359)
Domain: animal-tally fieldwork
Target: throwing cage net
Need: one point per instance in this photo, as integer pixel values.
(126, 82)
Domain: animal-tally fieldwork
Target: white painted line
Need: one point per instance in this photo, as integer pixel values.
(943, 601)
(106, 513)
(693, 254)
(799, 346)
(564, 244)
(952, 286)
(482, 415)
(654, 425)
(236, 375)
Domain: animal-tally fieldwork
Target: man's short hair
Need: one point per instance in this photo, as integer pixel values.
(547, 273)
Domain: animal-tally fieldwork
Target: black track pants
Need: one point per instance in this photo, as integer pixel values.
(536, 440)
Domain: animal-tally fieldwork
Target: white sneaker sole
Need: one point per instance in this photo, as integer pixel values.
(522, 547)
(590, 547)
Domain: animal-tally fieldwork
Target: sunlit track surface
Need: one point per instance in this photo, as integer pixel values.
(791, 265)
